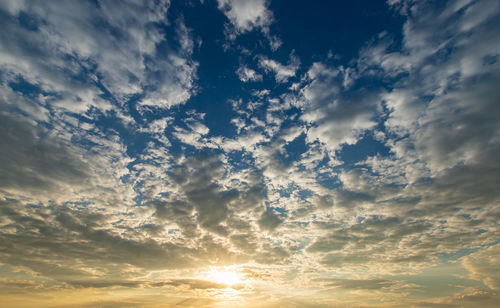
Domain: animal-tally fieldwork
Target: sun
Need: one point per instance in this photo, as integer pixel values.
(224, 276)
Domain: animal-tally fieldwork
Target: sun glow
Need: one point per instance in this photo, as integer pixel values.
(224, 276)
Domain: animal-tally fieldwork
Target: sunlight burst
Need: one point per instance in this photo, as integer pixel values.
(224, 276)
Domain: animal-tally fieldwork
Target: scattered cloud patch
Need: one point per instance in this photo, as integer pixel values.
(246, 74)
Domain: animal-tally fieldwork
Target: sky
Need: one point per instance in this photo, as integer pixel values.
(249, 153)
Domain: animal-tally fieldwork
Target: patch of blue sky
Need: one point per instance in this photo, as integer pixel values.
(491, 59)
(365, 147)
(25, 88)
(279, 210)
(456, 255)
(28, 22)
(305, 194)
(140, 199)
(134, 140)
(240, 161)
(285, 193)
(328, 180)
(302, 25)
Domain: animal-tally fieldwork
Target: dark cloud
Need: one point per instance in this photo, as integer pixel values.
(192, 284)
(199, 179)
(270, 254)
(31, 159)
(189, 283)
(331, 243)
(59, 243)
(427, 304)
(371, 239)
(246, 242)
(360, 284)
(269, 221)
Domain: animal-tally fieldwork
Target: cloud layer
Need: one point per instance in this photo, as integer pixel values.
(142, 152)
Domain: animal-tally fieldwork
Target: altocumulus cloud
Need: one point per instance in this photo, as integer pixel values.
(147, 145)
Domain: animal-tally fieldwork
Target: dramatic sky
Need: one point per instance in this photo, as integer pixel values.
(249, 153)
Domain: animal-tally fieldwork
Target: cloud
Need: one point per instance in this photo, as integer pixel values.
(55, 239)
(195, 284)
(384, 164)
(246, 15)
(282, 72)
(372, 240)
(246, 74)
(67, 39)
(438, 122)
(437, 305)
(337, 117)
(269, 220)
(44, 158)
(483, 265)
(360, 284)
(32, 160)
(199, 179)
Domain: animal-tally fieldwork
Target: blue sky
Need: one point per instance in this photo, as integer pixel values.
(249, 153)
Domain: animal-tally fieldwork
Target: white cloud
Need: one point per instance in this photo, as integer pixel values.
(248, 15)
(282, 72)
(69, 39)
(335, 117)
(247, 74)
(245, 15)
(444, 105)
